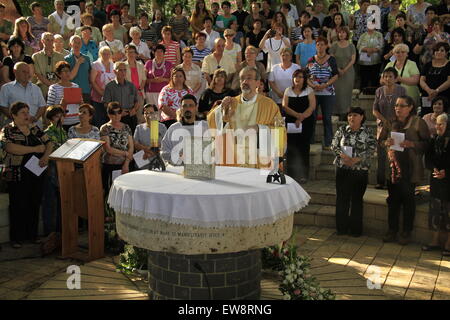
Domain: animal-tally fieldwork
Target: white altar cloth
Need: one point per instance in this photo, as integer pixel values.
(238, 197)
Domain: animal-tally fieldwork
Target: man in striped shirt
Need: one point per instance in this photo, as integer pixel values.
(200, 50)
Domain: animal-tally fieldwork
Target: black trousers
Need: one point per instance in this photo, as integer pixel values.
(370, 76)
(131, 121)
(350, 188)
(381, 165)
(107, 170)
(24, 201)
(298, 149)
(401, 195)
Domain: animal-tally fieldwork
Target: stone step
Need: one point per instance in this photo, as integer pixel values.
(321, 211)
(327, 172)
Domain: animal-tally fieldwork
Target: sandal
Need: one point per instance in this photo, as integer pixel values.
(429, 247)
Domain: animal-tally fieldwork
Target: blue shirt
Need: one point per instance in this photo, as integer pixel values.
(31, 94)
(82, 77)
(305, 51)
(90, 49)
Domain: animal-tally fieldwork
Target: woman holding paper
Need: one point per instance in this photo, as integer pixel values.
(299, 103)
(370, 47)
(23, 142)
(57, 91)
(406, 166)
(435, 77)
(118, 145)
(145, 134)
(408, 73)
(438, 161)
(354, 145)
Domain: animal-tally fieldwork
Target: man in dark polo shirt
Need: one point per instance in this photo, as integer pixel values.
(125, 93)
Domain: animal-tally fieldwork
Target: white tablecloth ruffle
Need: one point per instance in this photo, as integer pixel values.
(238, 197)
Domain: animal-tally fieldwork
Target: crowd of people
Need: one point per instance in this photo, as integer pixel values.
(133, 68)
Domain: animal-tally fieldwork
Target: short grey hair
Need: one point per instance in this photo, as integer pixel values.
(135, 29)
(74, 37)
(443, 117)
(248, 69)
(19, 64)
(57, 1)
(400, 47)
(46, 34)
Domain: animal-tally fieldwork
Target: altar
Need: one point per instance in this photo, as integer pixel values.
(204, 236)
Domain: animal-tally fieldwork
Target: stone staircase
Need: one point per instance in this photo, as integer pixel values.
(321, 188)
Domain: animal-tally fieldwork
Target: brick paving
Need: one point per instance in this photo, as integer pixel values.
(341, 263)
(404, 272)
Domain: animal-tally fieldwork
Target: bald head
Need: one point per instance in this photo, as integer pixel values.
(22, 73)
(219, 45)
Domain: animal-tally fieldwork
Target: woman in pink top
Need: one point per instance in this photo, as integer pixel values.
(440, 106)
(158, 74)
(137, 75)
(101, 74)
(172, 54)
(169, 100)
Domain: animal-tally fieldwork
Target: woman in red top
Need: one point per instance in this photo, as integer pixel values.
(172, 47)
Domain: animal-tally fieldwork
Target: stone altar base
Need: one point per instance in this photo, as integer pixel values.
(161, 236)
(229, 276)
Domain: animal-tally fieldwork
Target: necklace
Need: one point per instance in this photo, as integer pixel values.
(271, 47)
(155, 67)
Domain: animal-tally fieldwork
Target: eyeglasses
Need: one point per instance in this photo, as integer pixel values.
(115, 112)
(401, 105)
(229, 35)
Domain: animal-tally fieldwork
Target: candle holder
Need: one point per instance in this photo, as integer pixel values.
(157, 163)
(277, 173)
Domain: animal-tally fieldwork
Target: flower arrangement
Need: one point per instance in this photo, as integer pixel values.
(296, 280)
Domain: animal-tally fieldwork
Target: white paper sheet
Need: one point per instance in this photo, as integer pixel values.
(115, 174)
(291, 128)
(426, 103)
(33, 166)
(398, 138)
(348, 151)
(364, 57)
(139, 159)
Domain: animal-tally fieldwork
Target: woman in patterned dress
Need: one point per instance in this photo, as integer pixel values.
(169, 100)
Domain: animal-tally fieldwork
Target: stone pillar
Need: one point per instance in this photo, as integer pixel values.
(205, 276)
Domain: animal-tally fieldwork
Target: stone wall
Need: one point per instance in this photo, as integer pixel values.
(205, 276)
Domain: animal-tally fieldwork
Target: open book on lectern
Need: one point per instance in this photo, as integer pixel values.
(77, 149)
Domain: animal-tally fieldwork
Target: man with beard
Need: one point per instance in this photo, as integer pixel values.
(172, 143)
(245, 115)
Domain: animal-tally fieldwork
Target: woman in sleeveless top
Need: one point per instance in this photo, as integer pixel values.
(299, 103)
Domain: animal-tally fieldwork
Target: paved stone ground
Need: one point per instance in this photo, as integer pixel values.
(344, 264)
(340, 263)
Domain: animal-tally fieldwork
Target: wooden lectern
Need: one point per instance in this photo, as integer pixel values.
(80, 183)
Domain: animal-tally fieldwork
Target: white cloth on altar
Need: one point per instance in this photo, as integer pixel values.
(238, 197)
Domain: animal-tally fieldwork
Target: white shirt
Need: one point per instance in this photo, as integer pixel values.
(31, 94)
(273, 48)
(283, 79)
(142, 48)
(211, 38)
